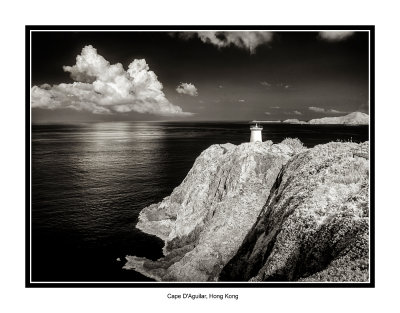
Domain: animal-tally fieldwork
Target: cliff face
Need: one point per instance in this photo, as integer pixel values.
(206, 218)
(264, 212)
(314, 226)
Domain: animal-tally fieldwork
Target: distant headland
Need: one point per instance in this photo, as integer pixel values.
(354, 118)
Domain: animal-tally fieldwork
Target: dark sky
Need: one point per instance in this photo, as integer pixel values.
(283, 78)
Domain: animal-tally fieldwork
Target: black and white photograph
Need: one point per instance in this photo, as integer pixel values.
(202, 156)
(216, 156)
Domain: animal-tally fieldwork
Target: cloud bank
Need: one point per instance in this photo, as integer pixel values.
(103, 88)
(187, 89)
(245, 40)
(334, 36)
(322, 110)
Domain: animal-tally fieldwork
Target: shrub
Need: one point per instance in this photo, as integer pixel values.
(294, 143)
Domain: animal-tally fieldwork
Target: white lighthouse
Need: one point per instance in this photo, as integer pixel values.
(256, 133)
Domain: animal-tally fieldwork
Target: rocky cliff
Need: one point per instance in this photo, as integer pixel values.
(263, 211)
(314, 226)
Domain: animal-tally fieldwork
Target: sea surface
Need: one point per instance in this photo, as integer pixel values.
(91, 180)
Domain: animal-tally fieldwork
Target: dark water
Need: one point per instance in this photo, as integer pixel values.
(90, 181)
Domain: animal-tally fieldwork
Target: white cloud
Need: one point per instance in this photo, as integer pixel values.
(335, 36)
(245, 40)
(220, 86)
(322, 110)
(293, 112)
(267, 113)
(242, 100)
(101, 87)
(266, 84)
(316, 109)
(45, 86)
(187, 89)
(336, 111)
(276, 107)
(283, 85)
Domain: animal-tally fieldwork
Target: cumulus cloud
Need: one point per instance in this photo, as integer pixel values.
(334, 36)
(245, 40)
(316, 109)
(101, 87)
(187, 89)
(45, 86)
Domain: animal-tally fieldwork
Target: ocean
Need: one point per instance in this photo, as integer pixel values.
(91, 180)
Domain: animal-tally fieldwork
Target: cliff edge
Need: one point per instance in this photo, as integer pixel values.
(263, 211)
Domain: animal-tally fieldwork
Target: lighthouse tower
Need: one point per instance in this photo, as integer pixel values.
(256, 133)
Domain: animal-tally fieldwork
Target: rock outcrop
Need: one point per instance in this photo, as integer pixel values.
(265, 212)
